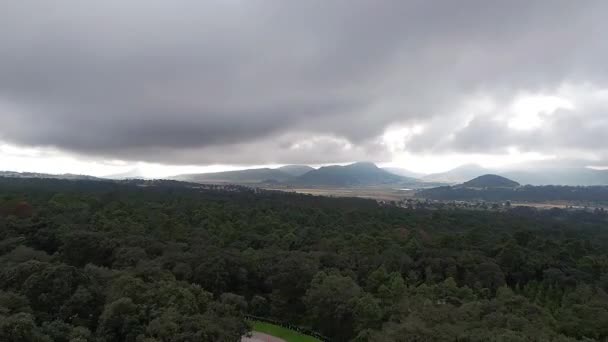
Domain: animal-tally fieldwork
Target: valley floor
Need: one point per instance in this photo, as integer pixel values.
(377, 193)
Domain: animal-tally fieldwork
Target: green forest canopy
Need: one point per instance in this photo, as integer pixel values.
(169, 261)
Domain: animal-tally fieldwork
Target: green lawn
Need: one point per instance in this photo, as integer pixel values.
(286, 334)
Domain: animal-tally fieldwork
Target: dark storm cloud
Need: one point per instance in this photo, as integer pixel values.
(246, 81)
(287, 149)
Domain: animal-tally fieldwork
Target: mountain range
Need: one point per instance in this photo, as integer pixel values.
(404, 172)
(496, 188)
(130, 174)
(296, 170)
(14, 174)
(537, 175)
(366, 174)
(248, 176)
(458, 175)
(559, 176)
(356, 174)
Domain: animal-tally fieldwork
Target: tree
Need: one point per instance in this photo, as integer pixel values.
(331, 301)
(367, 313)
(120, 321)
(259, 306)
(21, 327)
(81, 247)
(50, 288)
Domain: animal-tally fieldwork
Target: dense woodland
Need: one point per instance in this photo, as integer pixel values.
(168, 261)
(528, 193)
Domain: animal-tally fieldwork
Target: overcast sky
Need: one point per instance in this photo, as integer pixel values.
(100, 87)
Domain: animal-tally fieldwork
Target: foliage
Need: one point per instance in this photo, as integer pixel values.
(168, 261)
(527, 193)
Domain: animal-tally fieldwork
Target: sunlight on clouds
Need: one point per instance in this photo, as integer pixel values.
(310, 143)
(48, 160)
(14, 151)
(395, 138)
(528, 111)
(15, 158)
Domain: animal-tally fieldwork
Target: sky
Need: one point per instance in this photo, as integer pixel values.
(168, 87)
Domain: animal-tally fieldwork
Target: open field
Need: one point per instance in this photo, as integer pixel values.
(560, 205)
(395, 194)
(377, 193)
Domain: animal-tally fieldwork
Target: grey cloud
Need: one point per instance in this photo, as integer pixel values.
(484, 135)
(221, 81)
(288, 149)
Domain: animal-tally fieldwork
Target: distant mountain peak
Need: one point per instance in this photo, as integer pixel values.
(247, 176)
(15, 174)
(134, 173)
(490, 181)
(356, 174)
(459, 174)
(296, 170)
(403, 172)
(364, 165)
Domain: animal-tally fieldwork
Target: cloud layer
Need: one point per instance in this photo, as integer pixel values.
(232, 81)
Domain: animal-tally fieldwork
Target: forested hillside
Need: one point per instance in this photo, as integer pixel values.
(527, 193)
(490, 181)
(154, 261)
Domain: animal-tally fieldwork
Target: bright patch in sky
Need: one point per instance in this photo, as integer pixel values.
(395, 137)
(441, 163)
(21, 159)
(529, 111)
(46, 160)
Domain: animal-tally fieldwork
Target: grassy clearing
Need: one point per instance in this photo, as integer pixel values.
(286, 334)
